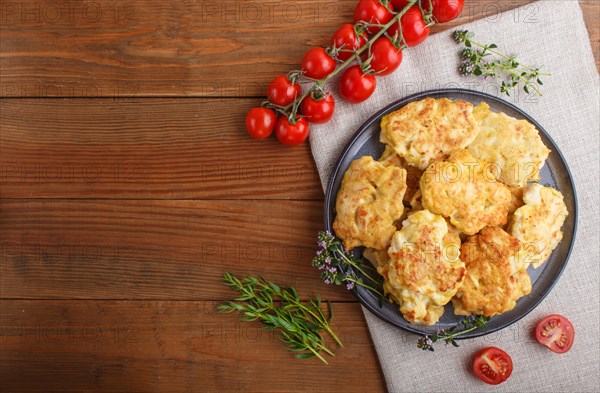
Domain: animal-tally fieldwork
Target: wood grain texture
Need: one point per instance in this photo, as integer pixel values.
(145, 148)
(146, 249)
(158, 346)
(150, 200)
(141, 48)
(130, 48)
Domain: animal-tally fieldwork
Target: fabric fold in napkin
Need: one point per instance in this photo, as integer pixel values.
(551, 34)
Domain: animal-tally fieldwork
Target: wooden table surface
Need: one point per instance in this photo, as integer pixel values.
(128, 186)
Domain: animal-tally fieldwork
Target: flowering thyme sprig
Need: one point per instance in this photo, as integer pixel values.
(448, 335)
(338, 267)
(507, 71)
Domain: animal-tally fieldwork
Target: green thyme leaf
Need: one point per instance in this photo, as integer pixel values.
(449, 335)
(301, 324)
(475, 61)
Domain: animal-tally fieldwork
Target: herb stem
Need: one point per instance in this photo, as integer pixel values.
(448, 335)
(509, 72)
(333, 335)
(324, 348)
(459, 333)
(365, 286)
(356, 266)
(300, 325)
(500, 54)
(324, 323)
(319, 356)
(338, 267)
(526, 81)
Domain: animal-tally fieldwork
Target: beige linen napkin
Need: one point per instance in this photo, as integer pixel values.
(548, 33)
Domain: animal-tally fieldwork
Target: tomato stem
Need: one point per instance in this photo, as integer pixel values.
(369, 43)
(293, 107)
(427, 15)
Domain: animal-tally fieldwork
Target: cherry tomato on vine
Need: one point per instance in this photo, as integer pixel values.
(492, 365)
(318, 110)
(317, 64)
(291, 134)
(414, 28)
(372, 11)
(346, 38)
(260, 122)
(386, 58)
(555, 332)
(444, 10)
(356, 86)
(282, 91)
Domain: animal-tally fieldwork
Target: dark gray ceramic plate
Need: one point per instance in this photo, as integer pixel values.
(554, 174)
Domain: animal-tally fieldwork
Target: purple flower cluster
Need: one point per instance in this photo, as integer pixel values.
(466, 68)
(462, 35)
(425, 343)
(470, 58)
(326, 261)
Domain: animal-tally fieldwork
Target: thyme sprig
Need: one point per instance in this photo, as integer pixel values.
(507, 70)
(449, 335)
(301, 324)
(339, 267)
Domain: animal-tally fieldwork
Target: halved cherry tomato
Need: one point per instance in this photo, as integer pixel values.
(291, 134)
(385, 56)
(492, 365)
(317, 64)
(318, 110)
(372, 11)
(414, 28)
(355, 85)
(260, 122)
(555, 332)
(282, 91)
(346, 38)
(444, 10)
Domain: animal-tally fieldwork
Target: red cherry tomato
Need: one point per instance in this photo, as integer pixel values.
(260, 122)
(355, 85)
(345, 37)
(283, 92)
(400, 4)
(414, 28)
(386, 58)
(492, 365)
(372, 11)
(291, 134)
(555, 332)
(317, 64)
(318, 110)
(444, 10)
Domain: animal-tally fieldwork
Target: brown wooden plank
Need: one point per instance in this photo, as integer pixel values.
(132, 48)
(145, 148)
(209, 48)
(146, 249)
(591, 14)
(117, 346)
